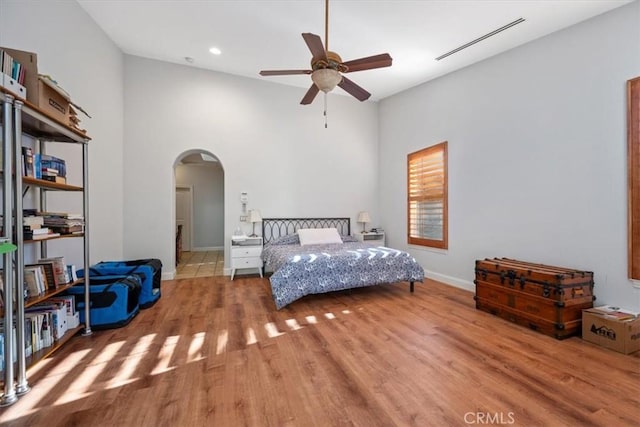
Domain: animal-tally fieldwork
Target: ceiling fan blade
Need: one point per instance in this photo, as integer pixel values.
(315, 46)
(283, 72)
(310, 95)
(353, 89)
(368, 63)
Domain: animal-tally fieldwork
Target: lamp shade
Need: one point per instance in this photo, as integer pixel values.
(326, 79)
(364, 217)
(254, 215)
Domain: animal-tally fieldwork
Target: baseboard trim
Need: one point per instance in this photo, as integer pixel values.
(208, 248)
(169, 275)
(449, 280)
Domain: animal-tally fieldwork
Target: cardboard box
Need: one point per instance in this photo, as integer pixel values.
(52, 103)
(37, 92)
(622, 336)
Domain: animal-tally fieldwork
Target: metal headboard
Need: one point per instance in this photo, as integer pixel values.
(274, 228)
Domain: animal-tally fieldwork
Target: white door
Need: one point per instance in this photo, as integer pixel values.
(184, 201)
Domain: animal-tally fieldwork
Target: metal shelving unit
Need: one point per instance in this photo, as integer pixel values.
(19, 119)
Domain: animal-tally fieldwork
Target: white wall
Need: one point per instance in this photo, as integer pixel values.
(207, 182)
(268, 144)
(537, 155)
(72, 49)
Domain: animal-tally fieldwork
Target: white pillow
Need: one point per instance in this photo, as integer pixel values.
(318, 236)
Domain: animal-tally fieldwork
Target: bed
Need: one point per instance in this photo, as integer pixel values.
(343, 263)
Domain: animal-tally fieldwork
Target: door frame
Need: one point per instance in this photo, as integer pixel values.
(189, 189)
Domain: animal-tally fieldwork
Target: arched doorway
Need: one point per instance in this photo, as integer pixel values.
(199, 214)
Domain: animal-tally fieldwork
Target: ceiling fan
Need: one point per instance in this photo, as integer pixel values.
(327, 67)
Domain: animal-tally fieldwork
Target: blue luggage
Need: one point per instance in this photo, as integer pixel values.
(113, 300)
(149, 269)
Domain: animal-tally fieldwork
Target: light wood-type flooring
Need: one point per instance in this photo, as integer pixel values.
(200, 264)
(213, 352)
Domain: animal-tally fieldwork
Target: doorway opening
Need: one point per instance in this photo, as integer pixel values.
(199, 215)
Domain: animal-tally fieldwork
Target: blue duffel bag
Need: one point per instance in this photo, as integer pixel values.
(149, 269)
(113, 300)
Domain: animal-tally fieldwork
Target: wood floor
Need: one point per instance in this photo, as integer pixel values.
(213, 352)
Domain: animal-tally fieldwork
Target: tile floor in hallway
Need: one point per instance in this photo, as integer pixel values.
(200, 264)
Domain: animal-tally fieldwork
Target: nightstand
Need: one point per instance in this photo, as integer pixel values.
(246, 253)
(376, 239)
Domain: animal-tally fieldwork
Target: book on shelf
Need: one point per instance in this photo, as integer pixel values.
(49, 274)
(59, 269)
(65, 215)
(11, 67)
(56, 315)
(72, 273)
(64, 222)
(52, 165)
(2, 345)
(35, 281)
(35, 235)
(32, 221)
(27, 162)
(40, 230)
(55, 178)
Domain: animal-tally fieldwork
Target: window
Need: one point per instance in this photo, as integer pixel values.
(427, 196)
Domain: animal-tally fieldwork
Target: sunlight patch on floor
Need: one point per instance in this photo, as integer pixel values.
(195, 347)
(251, 336)
(223, 338)
(272, 330)
(164, 355)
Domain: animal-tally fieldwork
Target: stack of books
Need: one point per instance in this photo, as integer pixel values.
(63, 222)
(34, 229)
(50, 168)
(43, 166)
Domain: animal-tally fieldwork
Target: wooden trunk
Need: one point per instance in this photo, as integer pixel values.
(544, 298)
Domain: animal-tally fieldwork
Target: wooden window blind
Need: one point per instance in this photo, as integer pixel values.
(427, 201)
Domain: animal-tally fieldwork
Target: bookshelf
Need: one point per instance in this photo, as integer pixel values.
(48, 185)
(21, 120)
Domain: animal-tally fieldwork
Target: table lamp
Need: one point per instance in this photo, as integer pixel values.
(364, 218)
(254, 216)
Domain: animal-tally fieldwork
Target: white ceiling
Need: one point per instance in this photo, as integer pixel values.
(259, 35)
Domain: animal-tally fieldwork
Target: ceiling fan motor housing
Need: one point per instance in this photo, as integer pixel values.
(332, 61)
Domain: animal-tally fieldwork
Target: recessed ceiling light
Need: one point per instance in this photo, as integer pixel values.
(215, 51)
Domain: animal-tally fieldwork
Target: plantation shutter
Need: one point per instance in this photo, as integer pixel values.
(427, 196)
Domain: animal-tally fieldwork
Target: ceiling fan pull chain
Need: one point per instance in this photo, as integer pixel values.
(325, 110)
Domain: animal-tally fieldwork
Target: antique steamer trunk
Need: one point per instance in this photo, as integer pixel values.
(544, 298)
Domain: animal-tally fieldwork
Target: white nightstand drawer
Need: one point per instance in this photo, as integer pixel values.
(249, 251)
(254, 262)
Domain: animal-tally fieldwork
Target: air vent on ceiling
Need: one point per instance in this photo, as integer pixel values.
(479, 39)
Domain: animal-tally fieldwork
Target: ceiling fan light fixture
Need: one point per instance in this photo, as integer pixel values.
(326, 79)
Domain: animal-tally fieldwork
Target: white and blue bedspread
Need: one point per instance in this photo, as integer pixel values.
(314, 269)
